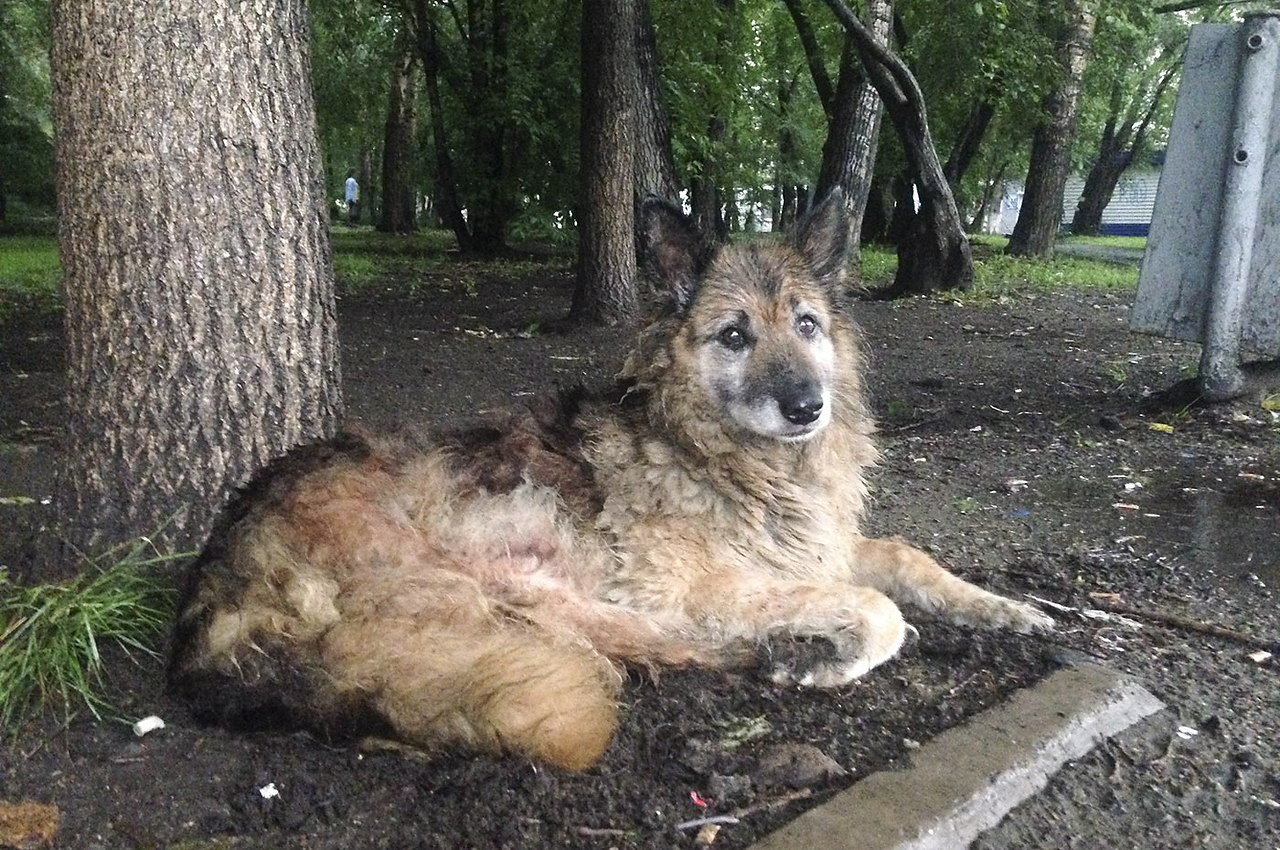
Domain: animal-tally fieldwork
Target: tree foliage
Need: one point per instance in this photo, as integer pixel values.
(26, 127)
(495, 93)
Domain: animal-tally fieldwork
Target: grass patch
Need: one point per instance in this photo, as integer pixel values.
(52, 635)
(1139, 242)
(878, 264)
(425, 261)
(1001, 274)
(30, 271)
(998, 275)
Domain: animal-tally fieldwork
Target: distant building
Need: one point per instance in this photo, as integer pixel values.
(1128, 213)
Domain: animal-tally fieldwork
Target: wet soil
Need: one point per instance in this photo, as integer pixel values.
(1025, 446)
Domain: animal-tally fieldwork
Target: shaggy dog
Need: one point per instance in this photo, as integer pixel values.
(483, 589)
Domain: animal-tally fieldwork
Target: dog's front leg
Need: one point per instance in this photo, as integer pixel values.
(864, 626)
(910, 576)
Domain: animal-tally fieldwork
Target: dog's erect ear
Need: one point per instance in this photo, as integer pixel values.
(671, 248)
(824, 237)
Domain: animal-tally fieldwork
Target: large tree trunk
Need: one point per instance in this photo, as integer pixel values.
(398, 150)
(606, 286)
(197, 277)
(655, 162)
(1036, 230)
(935, 255)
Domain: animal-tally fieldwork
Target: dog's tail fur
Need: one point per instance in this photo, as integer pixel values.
(461, 678)
(280, 629)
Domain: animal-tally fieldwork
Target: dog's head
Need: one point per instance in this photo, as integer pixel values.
(756, 335)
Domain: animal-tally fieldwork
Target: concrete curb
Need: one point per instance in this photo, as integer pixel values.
(968, 778)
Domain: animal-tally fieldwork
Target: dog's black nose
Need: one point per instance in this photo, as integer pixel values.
(803, 410)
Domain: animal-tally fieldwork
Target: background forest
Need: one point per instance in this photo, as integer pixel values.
(474, 105)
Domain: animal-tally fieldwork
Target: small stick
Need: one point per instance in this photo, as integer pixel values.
(1177, 621)
(593, 831)
(765, 805)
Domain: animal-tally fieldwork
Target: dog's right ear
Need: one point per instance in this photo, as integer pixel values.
(672, 250)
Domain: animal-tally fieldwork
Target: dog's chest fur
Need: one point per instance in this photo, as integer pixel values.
(677, 509)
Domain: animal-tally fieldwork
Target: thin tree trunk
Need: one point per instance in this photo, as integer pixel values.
(606, 286)
(1116, 152)
(988, 193)
(968, 143)
(655, 162)
(201, 336)
(398, 149)
(446, 182)
(1036, 230)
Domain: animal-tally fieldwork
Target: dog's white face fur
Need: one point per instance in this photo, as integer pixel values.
(765, 357)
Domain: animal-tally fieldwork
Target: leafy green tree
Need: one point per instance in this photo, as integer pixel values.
(26, 129)
(1038, 220)
(502, 89)
(1137, 59)
(934, 253)
(354, 51)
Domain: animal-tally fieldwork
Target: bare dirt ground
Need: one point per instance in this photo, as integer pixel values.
(1023, 446)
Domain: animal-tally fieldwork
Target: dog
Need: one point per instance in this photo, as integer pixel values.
(486, 589)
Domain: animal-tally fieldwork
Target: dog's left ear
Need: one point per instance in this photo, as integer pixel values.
(824, 237)
(672, 250)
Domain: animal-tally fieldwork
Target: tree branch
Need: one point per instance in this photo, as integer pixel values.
(813, 55)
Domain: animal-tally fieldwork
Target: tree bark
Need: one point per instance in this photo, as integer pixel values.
(853, 134)
(853, 109)
(1036, 230)
(655, 161)
(201, 335)
(447, 202)
(491, 204)
(398, 150)
(606, 291)
(968, 142)
(936, 254)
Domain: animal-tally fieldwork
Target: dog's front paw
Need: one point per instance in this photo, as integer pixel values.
(997, 612)
(855, 658)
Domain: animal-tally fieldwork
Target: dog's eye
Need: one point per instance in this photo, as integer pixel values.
(807, 326)
(733, 338)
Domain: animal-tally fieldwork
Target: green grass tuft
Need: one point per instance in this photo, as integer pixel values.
(52, 635)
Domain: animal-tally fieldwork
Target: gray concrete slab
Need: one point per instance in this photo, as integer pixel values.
(968, 778)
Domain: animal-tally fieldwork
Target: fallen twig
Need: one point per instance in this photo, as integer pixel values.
(765, 805)
(1177, 621)
(590, 831)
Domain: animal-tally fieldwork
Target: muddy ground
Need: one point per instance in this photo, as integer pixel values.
(1024, 446)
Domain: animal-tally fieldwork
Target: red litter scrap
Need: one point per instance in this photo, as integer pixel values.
(697, 800)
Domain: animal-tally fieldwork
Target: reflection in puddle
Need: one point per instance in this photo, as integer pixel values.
(1231, 526)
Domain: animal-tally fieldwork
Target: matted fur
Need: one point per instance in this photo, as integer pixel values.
(483, 589)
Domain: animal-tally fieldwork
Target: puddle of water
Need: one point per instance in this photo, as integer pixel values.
(1230, 526)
